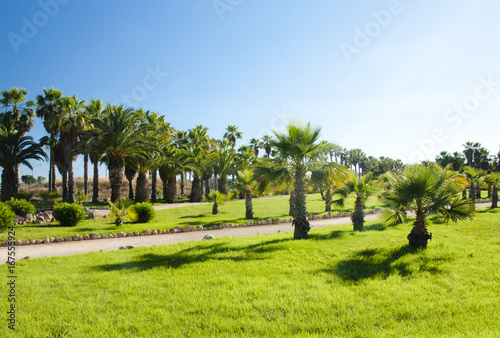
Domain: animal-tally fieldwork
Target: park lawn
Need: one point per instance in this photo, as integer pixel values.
(231, 212)
(337, 283)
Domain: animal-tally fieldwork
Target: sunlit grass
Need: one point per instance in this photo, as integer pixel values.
(337, 283)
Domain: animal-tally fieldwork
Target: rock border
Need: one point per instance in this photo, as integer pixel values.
(177, 229)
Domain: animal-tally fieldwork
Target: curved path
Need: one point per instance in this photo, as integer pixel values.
(80, 247)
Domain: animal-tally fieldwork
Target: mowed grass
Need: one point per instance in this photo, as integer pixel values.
(337, 283)
(231, 212)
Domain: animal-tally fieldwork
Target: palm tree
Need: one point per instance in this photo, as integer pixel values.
(217, 198)
(224, 165)
(70, 124)
(181, 141)
(118, 134)
(266, 144)
(494, 180)
(473, 177)
(232, 134)
(47, 108)
(299, 144)
(328, 178)
(427, 191)
(245, 184)
(130, 172)
(255, 144)
(199, 147)
(362, 188)
(15, 150)
(17, 116)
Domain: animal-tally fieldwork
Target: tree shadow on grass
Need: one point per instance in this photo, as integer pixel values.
(382, 263)
(198, 254)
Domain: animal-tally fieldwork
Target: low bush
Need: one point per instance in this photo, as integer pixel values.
(6, 216)
(24, 195)
(21, 207)
(68, 214)
(145, 212)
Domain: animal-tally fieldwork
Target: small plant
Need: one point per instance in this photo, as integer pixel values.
(145, 212)
(24, 195)
(68, 214)
(120, 209)
(6, 216)
(217, 198)
(51, 196)
(80, 196)
(21, 207)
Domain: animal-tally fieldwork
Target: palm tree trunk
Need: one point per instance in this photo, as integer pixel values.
(419, 236)
(141, 188)
(71, 183)
(65, 186)
(300, 221)
(291, 203)
(215, 208)
(153, 186)
(478, 192)
(248, 204)
(116, 166)
(183, 179)
(472, 195)
(85, 173)
(328, 201)
(53, 186)
(358, 216)
(171, 193)
(196, 189)
(494, 198)
(16, 181)
(95, 183)
(8, 184)
(222, 185)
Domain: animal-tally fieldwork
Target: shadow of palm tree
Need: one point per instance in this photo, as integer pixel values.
(382, 263)
(199, 253)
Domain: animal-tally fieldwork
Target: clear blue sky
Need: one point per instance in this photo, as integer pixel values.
(405, 79)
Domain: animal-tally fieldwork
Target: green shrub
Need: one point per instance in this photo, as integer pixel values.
(21, 207)
(24, 195)
(6, 216)
(68, 214)
(145, 212)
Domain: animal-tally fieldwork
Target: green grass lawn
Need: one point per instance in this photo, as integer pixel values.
(337, 283)
(231, 212)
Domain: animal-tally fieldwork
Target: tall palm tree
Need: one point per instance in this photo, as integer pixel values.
(70, 124)
(362, 188)
(473, 176)
(47, 108)
(494, 180)
(232, 134)
(255, 144)
(118, 134)
(200, 146)
(266, 144)
(17, 115)
(427, 191)
(15, 150)
(224, 165)
(181, 141)
(299, 144)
